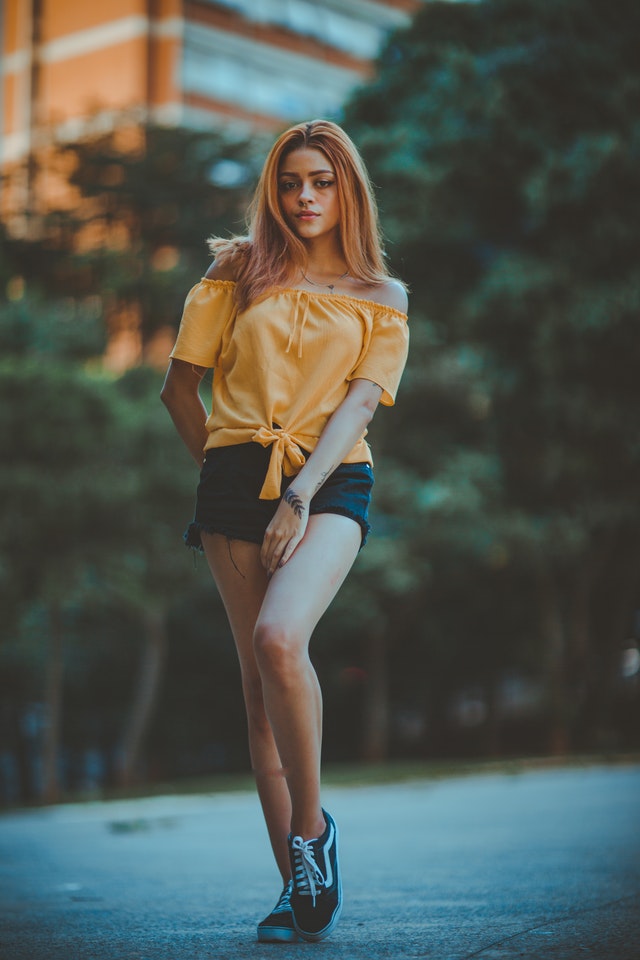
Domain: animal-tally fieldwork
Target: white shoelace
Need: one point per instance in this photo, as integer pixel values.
(284, 903)
(308, 876)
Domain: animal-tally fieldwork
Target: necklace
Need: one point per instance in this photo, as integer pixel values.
(330, 286)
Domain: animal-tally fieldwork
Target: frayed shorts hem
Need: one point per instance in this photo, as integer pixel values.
(193, 534)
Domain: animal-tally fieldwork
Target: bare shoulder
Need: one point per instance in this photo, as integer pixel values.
(230, 256)
(391, 293)
(221, 271)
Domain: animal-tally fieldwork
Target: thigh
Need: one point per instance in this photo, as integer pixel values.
(242, 583)
(300, 591)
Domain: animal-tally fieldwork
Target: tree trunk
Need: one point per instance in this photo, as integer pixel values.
(20, 748)
(579, 656)
(375, 745)
(553, 637)
(145, 695)
(491, 734)
(53, 705)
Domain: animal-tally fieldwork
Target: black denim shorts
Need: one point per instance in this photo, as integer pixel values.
(228, 501)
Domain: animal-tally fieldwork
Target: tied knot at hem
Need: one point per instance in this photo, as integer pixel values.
(286, 457)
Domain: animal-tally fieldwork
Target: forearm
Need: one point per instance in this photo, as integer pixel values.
(340, 434)
(181, 398)
(189, 420)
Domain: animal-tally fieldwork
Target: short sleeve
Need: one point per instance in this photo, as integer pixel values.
(209, 307)
(385, 355)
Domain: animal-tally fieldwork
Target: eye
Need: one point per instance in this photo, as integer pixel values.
(286, 185)
(323, 184)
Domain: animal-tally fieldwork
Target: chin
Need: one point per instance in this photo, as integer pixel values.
(306, 232)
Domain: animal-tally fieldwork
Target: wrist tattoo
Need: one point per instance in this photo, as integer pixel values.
(323, 477)
(294, 502)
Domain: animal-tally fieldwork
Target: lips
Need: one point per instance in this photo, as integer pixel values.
(307, 215)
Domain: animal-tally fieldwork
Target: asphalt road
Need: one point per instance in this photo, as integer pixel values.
(540, 865)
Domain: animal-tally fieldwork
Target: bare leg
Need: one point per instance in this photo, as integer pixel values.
(296, 597)
(242, 583)
(272, 622)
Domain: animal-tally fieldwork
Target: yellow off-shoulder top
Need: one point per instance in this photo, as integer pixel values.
(283, 365)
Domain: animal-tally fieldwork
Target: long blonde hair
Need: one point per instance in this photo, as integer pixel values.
(271, 253)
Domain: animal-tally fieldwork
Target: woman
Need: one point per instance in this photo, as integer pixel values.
(306, 332)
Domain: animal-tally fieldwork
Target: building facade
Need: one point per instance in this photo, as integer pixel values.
(70, 67)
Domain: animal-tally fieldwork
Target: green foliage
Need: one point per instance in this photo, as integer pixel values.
(96, 492)
(136, 238)
(504, 137)
(152, 568)
(59, 488)
(154, 209)
(68, 328)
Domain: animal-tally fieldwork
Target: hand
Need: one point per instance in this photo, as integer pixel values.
(285, 531)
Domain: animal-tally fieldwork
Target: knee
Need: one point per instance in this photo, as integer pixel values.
(277, 651)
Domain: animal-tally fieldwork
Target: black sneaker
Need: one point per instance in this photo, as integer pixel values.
(278, 926)
(316, 900)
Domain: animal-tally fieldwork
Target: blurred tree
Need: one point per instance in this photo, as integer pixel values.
(60, 490)
(153, 572)
(95, 493)
(145, 215)
(504, 136)
(129, 220)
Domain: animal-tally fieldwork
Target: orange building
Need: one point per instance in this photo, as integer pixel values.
(70, 67)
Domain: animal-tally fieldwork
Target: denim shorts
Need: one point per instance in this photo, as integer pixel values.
(231, 478)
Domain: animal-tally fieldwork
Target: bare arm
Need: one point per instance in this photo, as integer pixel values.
(343, 429)
(181, 398)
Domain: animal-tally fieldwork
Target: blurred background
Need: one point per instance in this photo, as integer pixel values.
(496, 609)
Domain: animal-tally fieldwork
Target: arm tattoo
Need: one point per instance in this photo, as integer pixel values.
(323, 477)
(294, 502)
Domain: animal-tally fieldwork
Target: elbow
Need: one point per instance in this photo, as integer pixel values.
(370, 401)
(367, 409)
(364, 397)
(168, 393)
(165, 395)
(181, 382)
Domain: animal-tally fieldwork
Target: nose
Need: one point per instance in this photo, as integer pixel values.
(306, 194)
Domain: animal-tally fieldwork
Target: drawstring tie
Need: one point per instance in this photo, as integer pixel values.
(300, 295)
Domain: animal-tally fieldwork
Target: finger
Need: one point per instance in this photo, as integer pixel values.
(266, 548)
(267, 552)
(289, 550)
(277, 556)
(275, 564)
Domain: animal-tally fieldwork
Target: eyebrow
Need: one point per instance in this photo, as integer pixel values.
(314, 173)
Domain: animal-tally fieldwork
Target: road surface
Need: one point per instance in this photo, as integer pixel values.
(542, 865)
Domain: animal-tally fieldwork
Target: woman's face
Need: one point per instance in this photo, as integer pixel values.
(309, 193)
